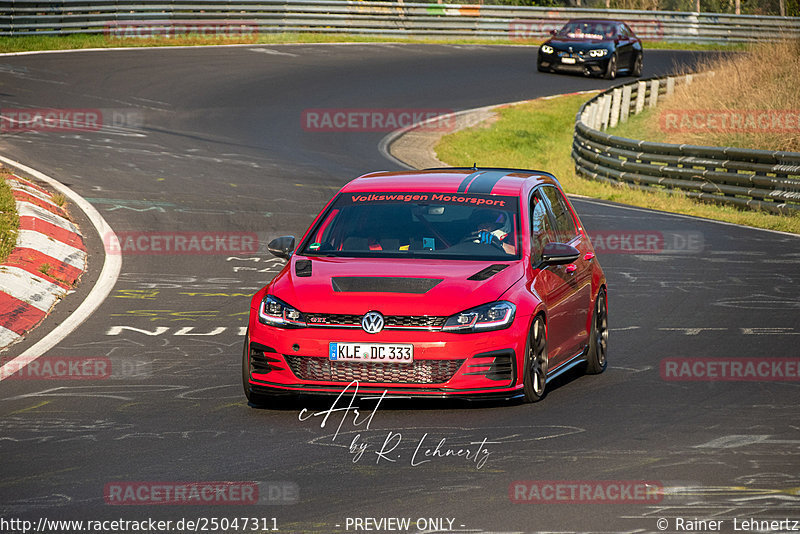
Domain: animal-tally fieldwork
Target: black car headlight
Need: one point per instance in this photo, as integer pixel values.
(547, 49)
(273, 311)
(492, 316)
(599, 52)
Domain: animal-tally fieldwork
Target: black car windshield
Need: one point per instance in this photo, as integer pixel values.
(428, 225)
(588, 30)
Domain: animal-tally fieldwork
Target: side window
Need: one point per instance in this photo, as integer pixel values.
(565, 224)
(541, 226)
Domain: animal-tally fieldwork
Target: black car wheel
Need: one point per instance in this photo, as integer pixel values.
(637, 66)
(611, 68)
(598, 339)
(254, 398)
(534, 376)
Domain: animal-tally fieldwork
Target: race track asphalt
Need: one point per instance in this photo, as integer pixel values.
(211, 140)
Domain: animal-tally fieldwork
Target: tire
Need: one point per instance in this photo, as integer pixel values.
(611, 68)
(636, 70)
(253, 398)
(596, 361)
(534, 374)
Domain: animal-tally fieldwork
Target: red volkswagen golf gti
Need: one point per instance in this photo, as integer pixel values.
(478, 283)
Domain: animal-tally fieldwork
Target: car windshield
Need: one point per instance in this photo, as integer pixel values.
(588, 30)
(458, 226)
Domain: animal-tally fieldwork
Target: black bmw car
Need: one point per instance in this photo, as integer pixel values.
(593, 47)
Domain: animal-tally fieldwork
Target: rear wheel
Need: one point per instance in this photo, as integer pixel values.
(611, 68)
(598, 339)
(534, 375)
(253, 398)
(637, 66)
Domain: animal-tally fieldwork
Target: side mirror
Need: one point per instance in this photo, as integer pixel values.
(559, 254)
(553, 32)
(282, 247)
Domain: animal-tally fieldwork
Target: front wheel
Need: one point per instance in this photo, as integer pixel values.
(598, 339)
(611, 68)
(534, 375)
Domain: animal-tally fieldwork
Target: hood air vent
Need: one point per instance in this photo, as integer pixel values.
(383, 284)
(488, 272)
(302, 268)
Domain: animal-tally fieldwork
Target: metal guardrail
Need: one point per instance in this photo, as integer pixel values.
(756, 179)
(25, 17)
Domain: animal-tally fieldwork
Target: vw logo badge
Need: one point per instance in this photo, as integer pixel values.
(372, 322)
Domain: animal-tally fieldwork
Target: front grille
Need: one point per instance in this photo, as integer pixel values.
(420, 372)
(391, 321)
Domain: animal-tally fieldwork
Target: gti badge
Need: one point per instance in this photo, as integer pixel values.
(372, 322)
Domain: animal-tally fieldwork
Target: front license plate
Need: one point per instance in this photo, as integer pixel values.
(371, 352)
(568, 60)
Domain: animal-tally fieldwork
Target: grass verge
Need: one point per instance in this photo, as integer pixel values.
(28, 43)
(9, 221)
(538, 135)
(751, 101)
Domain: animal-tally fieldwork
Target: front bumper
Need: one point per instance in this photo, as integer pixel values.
(479, 365)
(583, 63)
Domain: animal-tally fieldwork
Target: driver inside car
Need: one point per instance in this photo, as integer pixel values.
(492, 227)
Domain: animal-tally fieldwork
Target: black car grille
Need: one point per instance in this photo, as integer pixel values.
(497, 365)
(391, 321)
(420, 372)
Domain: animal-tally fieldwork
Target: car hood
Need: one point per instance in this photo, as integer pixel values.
(392, 286)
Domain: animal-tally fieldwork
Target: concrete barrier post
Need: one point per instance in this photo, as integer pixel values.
(654, 93)
(605, 112)
(616, 101)
(626, 103)
(641, 91)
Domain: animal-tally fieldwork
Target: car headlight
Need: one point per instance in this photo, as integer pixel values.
(273, 311)
(492, 316)
(547, 49)
(600, 52)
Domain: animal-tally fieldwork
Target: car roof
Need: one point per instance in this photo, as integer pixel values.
(494, 181)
